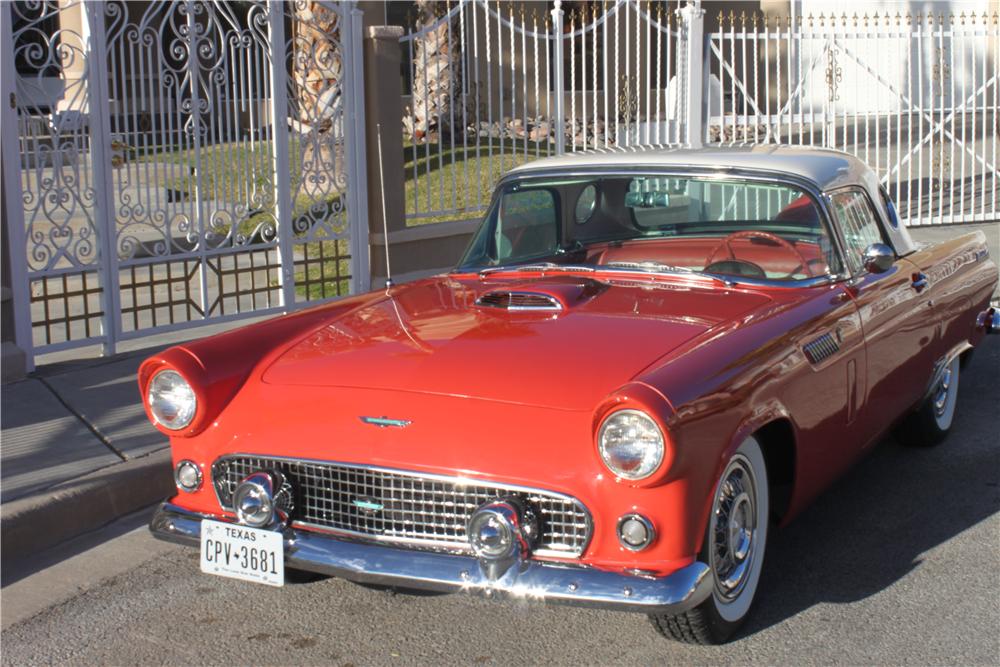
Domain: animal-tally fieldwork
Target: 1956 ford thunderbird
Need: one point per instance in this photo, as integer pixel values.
(644, 360)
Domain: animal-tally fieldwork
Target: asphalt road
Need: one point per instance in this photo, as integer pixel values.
(899, 563)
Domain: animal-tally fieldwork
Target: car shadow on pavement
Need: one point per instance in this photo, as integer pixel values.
(874, 526)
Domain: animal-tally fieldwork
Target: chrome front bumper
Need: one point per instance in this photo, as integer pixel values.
(447, 573)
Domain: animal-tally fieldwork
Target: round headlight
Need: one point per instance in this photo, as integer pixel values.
(631, 444)
(171, 400)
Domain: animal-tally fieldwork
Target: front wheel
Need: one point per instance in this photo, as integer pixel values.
(930, 423)
(734, 550)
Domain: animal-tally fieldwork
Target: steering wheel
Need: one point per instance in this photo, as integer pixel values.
(755, 233)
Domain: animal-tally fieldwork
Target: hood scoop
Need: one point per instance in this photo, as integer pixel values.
(518, 300)
(551, 296)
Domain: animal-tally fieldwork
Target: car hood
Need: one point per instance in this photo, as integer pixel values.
(433, 337)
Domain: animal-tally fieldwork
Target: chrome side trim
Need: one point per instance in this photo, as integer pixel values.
(556, 583)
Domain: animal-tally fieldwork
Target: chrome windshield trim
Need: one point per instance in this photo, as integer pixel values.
(728, 281)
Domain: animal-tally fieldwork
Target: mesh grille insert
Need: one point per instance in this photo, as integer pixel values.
(401, 507)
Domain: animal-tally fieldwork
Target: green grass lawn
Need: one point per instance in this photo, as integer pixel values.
(457, 181)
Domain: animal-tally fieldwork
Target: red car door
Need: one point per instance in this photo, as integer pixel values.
(898, 337)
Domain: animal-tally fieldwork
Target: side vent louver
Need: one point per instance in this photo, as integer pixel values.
(519, 301)
(821, 348)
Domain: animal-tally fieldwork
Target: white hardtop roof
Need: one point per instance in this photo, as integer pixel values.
(827, 169)
(824, 167)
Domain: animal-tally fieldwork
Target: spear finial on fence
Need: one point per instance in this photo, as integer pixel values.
(754, 18)
(810, 19)
(899, 18)
(855, 19)
(865, 19)
(722, 17)
(743, 19)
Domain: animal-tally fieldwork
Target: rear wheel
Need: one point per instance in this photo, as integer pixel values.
(734, 550)
(932, 421)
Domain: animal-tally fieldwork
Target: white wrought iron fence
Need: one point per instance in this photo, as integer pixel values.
(154, 180)
(914, 96)
(491, 86)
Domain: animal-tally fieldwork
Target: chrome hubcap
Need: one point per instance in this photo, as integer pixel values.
(941, 392)
(734, 529)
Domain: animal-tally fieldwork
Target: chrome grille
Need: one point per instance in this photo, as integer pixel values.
(423, 511)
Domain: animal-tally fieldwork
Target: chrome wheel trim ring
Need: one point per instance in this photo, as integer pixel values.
(734, 529)
(945, 395)
(941, 392)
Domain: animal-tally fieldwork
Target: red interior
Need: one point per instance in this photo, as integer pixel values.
(694, 253)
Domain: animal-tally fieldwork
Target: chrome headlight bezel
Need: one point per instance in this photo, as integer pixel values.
(651, 458)
(169, 388)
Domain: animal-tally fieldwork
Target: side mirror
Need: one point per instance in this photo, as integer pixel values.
(878, 258)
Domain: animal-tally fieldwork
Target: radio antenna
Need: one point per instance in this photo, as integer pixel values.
(385, 222)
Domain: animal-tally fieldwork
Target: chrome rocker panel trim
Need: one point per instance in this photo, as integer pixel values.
(556, 583)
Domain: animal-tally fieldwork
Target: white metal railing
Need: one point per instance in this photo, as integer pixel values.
(524, 84)
(915, 97)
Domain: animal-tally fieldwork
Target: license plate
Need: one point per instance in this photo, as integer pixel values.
(244, 553)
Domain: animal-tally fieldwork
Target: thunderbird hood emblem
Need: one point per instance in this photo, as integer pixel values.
(385, 422)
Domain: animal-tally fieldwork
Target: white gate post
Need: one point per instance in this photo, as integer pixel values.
(354, 147)
(692, 20)
(279, 135)
(558, 123)
(99, 133)
(14, 210)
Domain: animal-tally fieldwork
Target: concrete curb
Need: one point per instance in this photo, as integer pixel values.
(34, 523)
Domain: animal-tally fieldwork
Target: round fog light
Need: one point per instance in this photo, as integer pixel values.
(635, 532)
(491, 535)
(254, 501)
(187, 476)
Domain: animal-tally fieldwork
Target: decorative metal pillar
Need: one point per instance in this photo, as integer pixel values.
(559, 121)
(692, 19)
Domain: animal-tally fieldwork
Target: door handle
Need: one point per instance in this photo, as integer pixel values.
(919, 282)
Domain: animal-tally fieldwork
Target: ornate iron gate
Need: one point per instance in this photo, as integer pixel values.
(154, 180)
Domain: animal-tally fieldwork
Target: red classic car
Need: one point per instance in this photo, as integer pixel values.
(644, 360)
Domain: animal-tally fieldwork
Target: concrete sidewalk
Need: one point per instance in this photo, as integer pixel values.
(77, 452)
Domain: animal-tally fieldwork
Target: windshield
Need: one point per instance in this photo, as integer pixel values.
(733, 227)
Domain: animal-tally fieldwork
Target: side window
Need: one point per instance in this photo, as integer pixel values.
(858, 222)
(526, 224)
